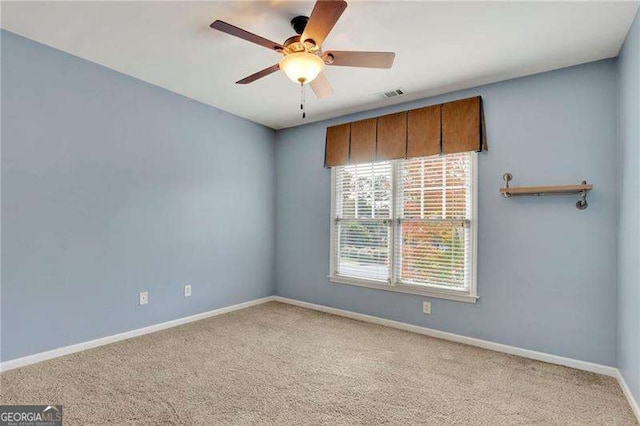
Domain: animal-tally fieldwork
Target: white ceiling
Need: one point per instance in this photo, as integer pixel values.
(440, 46)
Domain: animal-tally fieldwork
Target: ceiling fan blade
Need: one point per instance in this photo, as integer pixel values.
(324, 16)
(246, 35)
(321, 87)
(361, 59)
(263, 73)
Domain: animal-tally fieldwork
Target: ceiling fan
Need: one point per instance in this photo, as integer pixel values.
(303, 58)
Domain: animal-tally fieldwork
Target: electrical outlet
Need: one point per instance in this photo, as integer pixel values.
(187, 290)
(144, 297)
(426, 308)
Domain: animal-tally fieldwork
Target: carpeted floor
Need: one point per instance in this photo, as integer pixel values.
(276, 363)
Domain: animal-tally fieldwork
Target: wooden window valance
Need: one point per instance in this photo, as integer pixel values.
(447, 128)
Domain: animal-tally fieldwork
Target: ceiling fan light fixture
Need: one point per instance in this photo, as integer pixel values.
(302, 67)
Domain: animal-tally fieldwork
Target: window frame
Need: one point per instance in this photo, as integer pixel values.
(469, 295)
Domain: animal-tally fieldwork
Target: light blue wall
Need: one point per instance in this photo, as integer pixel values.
(546, 270)
(111, 186)
(629, 212)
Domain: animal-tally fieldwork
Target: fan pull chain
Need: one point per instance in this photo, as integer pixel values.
(304, 113)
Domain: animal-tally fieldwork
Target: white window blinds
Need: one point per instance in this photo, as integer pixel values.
(363, 200)
(406, 222)
(433, 208)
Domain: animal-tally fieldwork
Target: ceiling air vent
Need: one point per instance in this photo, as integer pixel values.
(393, 93)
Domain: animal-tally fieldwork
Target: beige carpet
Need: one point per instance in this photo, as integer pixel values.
(276, 363)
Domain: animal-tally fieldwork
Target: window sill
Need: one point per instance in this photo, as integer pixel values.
(405, 288)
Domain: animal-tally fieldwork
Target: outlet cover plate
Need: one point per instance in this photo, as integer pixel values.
(426, 308)
(187, 290)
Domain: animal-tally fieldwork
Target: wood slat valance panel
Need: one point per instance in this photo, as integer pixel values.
(363, 141)
(336, 149)
(392, 137)
(423, 127)
(447, 128)
(462, 126)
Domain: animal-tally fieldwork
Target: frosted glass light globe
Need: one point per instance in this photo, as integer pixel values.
(302, 67)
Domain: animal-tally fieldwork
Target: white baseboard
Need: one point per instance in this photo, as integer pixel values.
(627, 392)
(526, 353)
(54, 353)
(485, 344)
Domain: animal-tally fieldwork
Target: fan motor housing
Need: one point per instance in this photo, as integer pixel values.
(294, 45)
(291, 42)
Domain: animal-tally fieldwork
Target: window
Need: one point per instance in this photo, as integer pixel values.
(406, 225)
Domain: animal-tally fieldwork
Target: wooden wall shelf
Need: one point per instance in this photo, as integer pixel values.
(580, 190)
